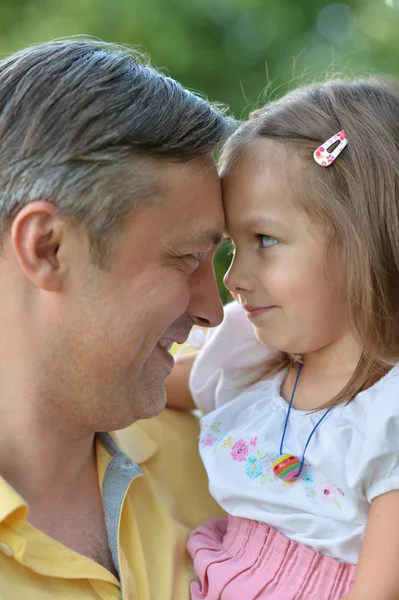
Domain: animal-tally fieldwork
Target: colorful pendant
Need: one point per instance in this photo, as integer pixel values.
(287, 466)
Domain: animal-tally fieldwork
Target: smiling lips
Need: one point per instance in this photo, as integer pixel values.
(255, 311)
(167, 343)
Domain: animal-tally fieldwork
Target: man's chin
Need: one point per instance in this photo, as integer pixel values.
(143, 402)
(150, 400)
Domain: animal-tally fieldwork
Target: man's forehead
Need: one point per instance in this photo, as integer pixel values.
(192, 204)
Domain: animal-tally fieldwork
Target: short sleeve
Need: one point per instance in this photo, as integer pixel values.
(231, 359)
(377, 460)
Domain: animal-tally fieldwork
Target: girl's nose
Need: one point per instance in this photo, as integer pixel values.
(238, 277)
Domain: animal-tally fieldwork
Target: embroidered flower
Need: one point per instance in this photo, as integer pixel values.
(228, 443)
(239, 451)
(288, 483)
(308, 479)
(208, 441)
(252, 442)
(326, 491)
(253, 467)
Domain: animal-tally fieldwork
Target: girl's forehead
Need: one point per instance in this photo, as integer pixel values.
(268, 176)
(267, 189)
(264, 155)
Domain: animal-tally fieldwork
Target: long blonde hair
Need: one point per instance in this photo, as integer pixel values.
(356, 199)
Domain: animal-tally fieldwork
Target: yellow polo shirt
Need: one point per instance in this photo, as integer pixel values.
(154, 492)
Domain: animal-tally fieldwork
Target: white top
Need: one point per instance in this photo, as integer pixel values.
(352, 458)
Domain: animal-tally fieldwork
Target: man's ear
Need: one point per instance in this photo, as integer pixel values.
(36, 235)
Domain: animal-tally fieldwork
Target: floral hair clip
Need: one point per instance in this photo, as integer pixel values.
(323, 157)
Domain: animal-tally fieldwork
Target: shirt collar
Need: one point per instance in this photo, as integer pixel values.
(13, 508)
(133, 441)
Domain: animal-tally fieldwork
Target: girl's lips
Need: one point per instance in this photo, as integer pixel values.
(253, 311)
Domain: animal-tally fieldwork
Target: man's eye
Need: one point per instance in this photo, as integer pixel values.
(191, 262)
(266, 240)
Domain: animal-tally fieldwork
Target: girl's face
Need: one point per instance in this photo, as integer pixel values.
(283, 273)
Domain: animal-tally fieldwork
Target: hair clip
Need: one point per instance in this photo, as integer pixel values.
(323, 157)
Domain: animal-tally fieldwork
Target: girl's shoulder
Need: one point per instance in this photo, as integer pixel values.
(231, 358)
(372, 457)
(380, 403)
(373, 410)
(382, 397)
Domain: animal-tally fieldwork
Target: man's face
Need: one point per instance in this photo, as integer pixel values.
(160, 281)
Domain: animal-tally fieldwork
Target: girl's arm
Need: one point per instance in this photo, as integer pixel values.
(377, 574)
(177, 388)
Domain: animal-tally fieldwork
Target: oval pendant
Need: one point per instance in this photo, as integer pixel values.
(286, 466)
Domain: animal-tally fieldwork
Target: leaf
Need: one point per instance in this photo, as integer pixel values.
(260, 455)
(336, 504)
(310, 492)
(216, 426)
(266, 478)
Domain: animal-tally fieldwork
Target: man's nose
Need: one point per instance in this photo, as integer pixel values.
(205, 305)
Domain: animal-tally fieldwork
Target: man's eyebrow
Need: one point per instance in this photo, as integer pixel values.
(205, 237)
(215, 237)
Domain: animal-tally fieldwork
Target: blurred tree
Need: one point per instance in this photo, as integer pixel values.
(228, 49)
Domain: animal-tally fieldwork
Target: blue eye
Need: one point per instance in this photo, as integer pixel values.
(266, 240)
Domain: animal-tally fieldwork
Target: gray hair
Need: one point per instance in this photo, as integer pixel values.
(76, 116)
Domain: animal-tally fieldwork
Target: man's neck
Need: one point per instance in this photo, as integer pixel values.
(59, 481)
(36, 456)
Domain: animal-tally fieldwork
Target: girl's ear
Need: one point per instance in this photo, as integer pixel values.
(37, 233)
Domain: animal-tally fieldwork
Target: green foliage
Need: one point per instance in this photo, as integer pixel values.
(222, 262)
(230, 50)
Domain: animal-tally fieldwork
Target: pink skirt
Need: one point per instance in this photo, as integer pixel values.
(239, 559)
